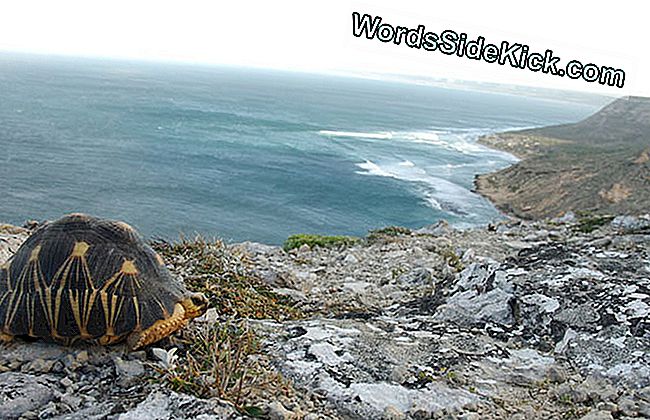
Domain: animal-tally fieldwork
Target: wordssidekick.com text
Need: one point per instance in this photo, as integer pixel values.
(450, 42)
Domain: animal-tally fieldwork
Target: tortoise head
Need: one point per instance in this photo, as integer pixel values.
(195, 304)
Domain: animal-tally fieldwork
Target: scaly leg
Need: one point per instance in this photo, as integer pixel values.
(160, 329)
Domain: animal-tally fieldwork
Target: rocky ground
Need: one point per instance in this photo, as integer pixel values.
(516, 320)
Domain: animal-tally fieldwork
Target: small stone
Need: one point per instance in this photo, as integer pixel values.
(71, 401)
(644, 408)
(568, 217)
(210, 317)
(399, 374)
(49, 410)
(277, 411)
(142, 355)
(417, 276)
(304, 248)
(472, 406)
(644, 393)
(607, 406)
(28, 415)
(66, 382)
(82, 357)
(294, 294)
(392, 413)
(601, 242)
(128, 368)
(350, 259)
(628, 407)
(556, 374)
(39, 366)
(69, 362)
(597, 415)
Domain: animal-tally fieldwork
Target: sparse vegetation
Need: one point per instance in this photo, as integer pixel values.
(220, 361)
(390, 231)
(452, 259)
(208, 267)
(589, 223)
(296, 241)
(397, 271)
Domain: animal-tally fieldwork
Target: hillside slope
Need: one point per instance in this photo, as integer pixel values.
(600, 164)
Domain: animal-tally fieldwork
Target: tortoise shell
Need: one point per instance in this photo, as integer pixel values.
(84, 278)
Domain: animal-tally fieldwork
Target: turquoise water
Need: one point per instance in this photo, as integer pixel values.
(246, 154)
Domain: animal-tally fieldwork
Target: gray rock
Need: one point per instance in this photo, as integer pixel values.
(72, 401)
(9, 243)
(39, 365)
(644, 408)
(437, 229)
(255, 248)
(631, 223)
(417, 276)
(392, 413)
(628, 407)
(579, 316)
(597, 415)
(568, 217)
(470, 307)
(294, 294)
(277, 411)
(20, 393)
(475, 276)
(128, 369)
(165, 404)
(350, 259)
(540, 235)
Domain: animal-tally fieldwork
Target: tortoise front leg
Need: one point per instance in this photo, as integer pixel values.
(160, 329)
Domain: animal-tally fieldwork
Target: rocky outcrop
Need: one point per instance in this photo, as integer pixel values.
(539, 320)
(544, 319)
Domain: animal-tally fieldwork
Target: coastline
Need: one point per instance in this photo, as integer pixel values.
(485, 184)
(599, 165)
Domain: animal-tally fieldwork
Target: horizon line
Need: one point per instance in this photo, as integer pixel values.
(446, 82)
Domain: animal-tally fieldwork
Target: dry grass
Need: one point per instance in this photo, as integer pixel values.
(222, 360)
(211, 268)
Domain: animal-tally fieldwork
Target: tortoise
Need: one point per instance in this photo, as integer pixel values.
(82, 278)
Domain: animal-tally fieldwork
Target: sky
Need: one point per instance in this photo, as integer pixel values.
(317, 36)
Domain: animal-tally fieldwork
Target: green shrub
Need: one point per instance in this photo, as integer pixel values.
(588, 224)
(296, 241)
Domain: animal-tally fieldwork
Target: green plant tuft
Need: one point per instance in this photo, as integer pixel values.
(390, 231)
(296, 241)
(588, 224)
(452, 259)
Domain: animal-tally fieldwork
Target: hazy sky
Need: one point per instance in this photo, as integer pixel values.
(309, 36)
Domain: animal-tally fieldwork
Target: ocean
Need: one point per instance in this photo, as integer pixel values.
(246, 154)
